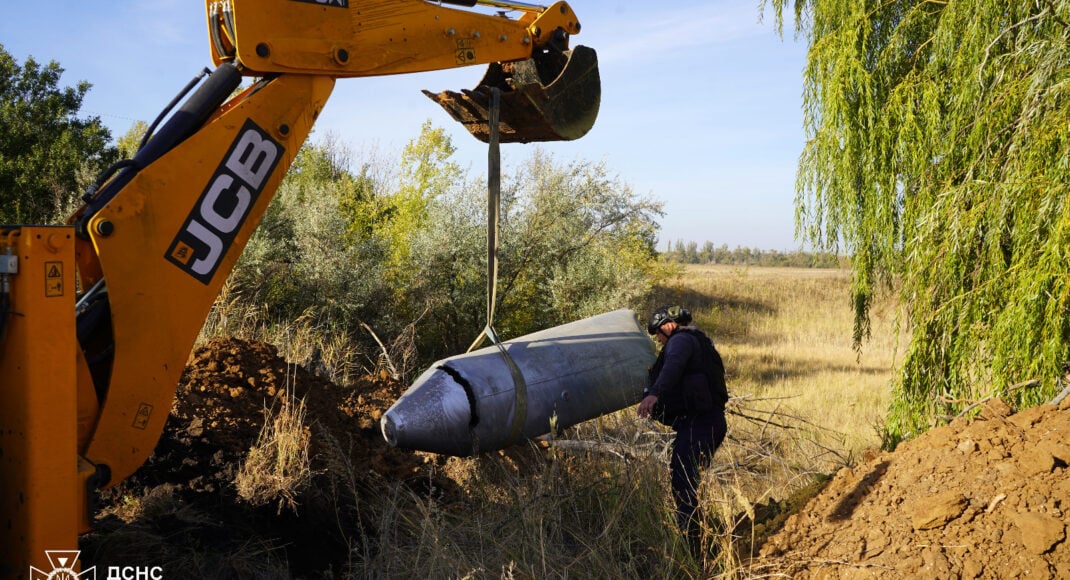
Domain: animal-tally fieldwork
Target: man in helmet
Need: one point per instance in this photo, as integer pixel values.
(687, 392)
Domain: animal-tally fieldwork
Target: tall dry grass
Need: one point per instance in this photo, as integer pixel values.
(597, 504)
(594, 502)
(786, 334)
(277, 468)
(309, 340)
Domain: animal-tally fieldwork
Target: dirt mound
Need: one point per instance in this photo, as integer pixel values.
(221, 401)
(983, 498)
(230, 383)
(184, 498)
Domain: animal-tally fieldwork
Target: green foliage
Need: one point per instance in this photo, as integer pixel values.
(47, 154)
(394, 252)
(129, 143)
(574, 242)
(447, 287)
(690, 253)
(426, 174)
(305, 256)
(578, 242)
(427, 171)
(937, 153)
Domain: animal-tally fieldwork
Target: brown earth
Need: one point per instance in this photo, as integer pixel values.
(987, 498)
(983, 498)
(182, 505)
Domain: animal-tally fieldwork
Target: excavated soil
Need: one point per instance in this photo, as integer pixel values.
(182, 506)
(228, 386)
(987, 498)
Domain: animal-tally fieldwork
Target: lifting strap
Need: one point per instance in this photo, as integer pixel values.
(494, 181)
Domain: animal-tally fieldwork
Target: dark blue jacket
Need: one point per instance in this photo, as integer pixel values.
(684, 372)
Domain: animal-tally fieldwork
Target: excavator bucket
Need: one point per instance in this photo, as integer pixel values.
(553, 96)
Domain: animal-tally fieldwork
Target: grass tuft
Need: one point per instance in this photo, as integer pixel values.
(277, 467)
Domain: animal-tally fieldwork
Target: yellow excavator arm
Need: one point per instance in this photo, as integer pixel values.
(354, 39)
(549, 93)
(97, 318)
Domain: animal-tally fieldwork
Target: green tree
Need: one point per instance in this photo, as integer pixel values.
(306, 255)
(427, 173)
(706, 255)
(46, 151)
(691, 253)
(679, 252)
(575, 241)
(937, 153)
(130, 141)
(406, 215)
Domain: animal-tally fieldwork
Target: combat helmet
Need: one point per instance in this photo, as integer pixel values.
(666, 313)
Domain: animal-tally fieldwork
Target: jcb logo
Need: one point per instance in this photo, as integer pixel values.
(211, 227)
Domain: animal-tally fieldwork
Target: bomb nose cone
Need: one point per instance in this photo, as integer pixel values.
(433, 415)
(390, 429)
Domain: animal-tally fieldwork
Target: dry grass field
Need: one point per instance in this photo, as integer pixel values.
(786, 333)
(590, 502)
(805, 402)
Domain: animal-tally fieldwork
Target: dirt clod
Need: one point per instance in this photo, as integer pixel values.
(936, 511)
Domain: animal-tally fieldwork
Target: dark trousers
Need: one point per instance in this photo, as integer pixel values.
(697, 438)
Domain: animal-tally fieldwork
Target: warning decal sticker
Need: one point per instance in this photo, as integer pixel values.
(53, 279)
(141, 420)
(464, 53)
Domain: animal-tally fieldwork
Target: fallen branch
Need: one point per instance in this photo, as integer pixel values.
(1062, 395)
(619, 450)
(736, 408)
(974, 403)
(759, 421)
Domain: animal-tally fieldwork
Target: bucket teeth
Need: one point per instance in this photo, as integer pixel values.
(545, 98)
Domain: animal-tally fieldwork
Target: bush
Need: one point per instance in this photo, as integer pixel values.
(404, 250)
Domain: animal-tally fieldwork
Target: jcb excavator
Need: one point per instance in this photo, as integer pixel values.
(98, 317)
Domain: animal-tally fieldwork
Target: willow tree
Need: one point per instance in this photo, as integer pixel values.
(937, 148)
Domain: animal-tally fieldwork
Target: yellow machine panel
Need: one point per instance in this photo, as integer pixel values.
(40, 500)
(376, 37)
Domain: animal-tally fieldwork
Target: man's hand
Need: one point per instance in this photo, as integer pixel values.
(647, 405)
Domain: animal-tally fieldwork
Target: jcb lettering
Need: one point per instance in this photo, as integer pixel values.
(253, 158)
(211, 227)
(203, 266)
(234, 202)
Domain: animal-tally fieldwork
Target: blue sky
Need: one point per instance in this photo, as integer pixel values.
(701, 100)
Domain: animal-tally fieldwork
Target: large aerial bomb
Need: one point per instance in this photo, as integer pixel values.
(523, 388)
